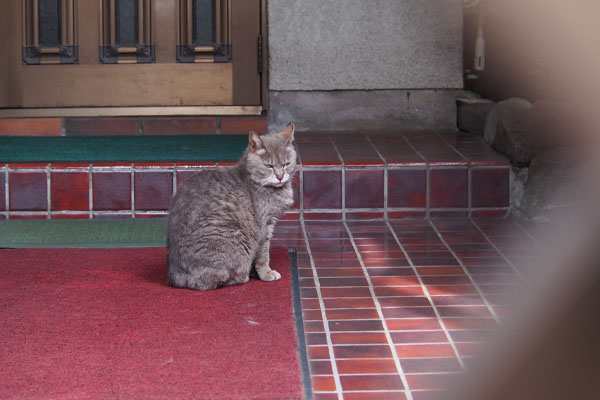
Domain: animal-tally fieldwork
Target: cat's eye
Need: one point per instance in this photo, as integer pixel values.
(269, 165)
(287, 164)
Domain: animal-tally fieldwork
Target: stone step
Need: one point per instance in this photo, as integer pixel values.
(369, 176)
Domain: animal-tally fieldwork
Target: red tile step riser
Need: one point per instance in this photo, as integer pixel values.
(323, 191)
(75, 126)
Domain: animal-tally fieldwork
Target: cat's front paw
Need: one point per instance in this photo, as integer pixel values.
(269, 275)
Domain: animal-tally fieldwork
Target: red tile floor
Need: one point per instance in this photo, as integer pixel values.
(401, 279)
(396, 309)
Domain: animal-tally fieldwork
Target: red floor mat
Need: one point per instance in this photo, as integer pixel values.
(102, 323)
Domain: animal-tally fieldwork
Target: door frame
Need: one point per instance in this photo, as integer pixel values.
(245, 98)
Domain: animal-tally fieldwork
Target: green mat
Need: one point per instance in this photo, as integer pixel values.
(122, 148)
(83, 233)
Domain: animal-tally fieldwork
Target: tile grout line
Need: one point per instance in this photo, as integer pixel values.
(132, 191)
(48, 191)
(452, 147)
(90, 192)
(469, 192)
(6, 194)
(385, 178)
(386, 330)
(428, 296)
(427, 171)
(513, 266)
(467, 273)
(174, 180)
(300, 188)
(343, 166)
(335, 373)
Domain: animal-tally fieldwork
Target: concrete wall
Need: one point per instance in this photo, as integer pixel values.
(377, 49)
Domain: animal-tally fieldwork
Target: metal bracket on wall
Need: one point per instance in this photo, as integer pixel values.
(139, 54)
(35, 55)
(218, 53)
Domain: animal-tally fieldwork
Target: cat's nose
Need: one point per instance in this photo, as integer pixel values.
(279, 176)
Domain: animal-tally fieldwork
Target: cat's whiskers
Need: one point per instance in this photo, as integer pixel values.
(263, 183)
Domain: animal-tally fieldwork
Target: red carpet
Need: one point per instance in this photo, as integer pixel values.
(102, 323)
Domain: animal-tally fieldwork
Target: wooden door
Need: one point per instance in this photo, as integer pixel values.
(124, 53)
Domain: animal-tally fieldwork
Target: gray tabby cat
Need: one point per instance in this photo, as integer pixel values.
(221, 221)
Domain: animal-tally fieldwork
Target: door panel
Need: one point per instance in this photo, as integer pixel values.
(124, 53)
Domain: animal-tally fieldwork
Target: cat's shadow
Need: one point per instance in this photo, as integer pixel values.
(155, 272)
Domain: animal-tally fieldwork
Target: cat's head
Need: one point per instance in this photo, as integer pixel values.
(271, 158)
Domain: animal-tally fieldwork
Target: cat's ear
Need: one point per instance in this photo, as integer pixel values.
(288, 133)
(256, 142)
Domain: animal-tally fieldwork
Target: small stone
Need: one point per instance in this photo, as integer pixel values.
(517, 136)
(522, 134)
(497, 112)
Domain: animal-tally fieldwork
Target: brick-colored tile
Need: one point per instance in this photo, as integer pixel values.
(2, 190)
(244, 125)
(349, 303)
(28, 191)
(325, 396)
(371, 382)
(358, 338)
(346, 292)
(396, 150)
(356, 150)
(314, 326)
(337, 282)
(489, 187)
(352, 314)
(322, 189)
(363, 351)
(395, 281)
(356, 325)
(101, 126)
(413, 324)
(31, 126)
(424, 350)
(364, 188)
(366, 366)
(315, 338)
(448, 187)
(451, 289)
(419, 337)
(179, 125)
(317, 352)
(417, 301)
(408, 312)
(324, 383)
(398, 291)
(376, 395)
(320, 367)
(317, 154)
(153, 190)
(407, 187)
(111, 190)
(69, 191)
